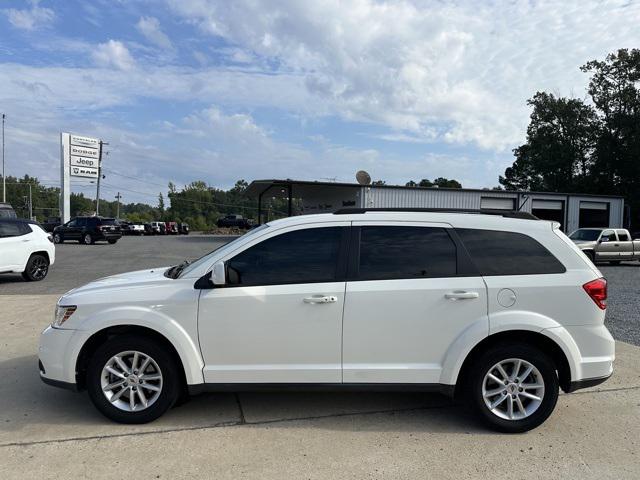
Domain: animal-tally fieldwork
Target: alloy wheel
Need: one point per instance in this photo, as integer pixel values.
(131, 381)
(513, 389)
(39, 268)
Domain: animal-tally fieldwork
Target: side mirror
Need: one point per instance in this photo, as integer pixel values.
(204, 282)
(218, 276)
(604, 239)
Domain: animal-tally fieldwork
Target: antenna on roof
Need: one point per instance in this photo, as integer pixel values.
(363, 177)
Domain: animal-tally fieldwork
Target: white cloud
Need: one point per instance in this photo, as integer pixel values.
(463, 68)
(149, 27)
(113, 54)
(30, 19)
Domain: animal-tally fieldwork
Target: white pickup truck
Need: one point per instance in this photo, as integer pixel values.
(612, 245)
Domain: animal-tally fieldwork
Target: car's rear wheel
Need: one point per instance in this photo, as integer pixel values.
(112, 241)
(513, 388)
(132, 379)
(37, 268)
(591, 256)
(87, 239)
(57, 238)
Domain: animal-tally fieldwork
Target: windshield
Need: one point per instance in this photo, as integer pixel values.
(207, 258)
(589, 235)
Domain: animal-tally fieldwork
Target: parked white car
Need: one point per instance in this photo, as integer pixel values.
(501, 312)
(25, 248)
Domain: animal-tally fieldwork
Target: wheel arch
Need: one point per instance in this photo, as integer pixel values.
(101, 336)
(536, 339)
(44, 253)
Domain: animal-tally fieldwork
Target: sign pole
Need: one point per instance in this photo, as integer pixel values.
(99, 175)
(65, 186)
(4, 178)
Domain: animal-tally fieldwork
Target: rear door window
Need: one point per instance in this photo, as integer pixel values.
(508, 253)
(405, 252)
(10, 229)
(623, 237)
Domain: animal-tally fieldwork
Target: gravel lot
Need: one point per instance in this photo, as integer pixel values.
(623, 311)
(79, 264)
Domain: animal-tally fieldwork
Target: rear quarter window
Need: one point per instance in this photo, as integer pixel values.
(508, 253)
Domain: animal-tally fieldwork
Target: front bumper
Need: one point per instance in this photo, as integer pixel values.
(57, 354)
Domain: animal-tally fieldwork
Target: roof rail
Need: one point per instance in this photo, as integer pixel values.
(484, 211)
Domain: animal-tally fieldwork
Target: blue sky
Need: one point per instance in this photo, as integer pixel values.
(210, 90)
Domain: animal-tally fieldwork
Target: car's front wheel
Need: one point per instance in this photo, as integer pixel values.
(87, 239)
(513, 388)
(57, 238)
(37, 268)
(132, 379)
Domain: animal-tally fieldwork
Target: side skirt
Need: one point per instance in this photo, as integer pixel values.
(447, 390)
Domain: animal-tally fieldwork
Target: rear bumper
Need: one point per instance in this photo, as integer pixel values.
(109, 236)
(586, 383)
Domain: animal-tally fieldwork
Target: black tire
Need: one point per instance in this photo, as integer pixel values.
(496, 354)
(87, 239)
(37, 268)
(171, 379)
(591, 256)
(57, 238)
(112, 241)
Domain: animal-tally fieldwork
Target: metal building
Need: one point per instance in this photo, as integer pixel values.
(571, 210)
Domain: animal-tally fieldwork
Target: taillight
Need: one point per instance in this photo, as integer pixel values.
(597, 290)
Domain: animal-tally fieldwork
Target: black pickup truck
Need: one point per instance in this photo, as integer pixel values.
(234, 221)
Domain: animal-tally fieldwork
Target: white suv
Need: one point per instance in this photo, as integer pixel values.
(499, 311)
(25, 248)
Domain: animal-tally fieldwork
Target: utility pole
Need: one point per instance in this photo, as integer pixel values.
(30, 203)
(99, 177)
(4, 181)
(118, 197)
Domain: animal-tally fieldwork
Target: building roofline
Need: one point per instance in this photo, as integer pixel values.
(288, 181)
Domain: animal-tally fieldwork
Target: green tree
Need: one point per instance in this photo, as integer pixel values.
(593, 147)
(615, 91)
(561, 139)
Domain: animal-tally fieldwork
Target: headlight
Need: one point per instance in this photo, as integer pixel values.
(63, 312)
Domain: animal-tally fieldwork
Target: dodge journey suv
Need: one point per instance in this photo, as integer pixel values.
(496, 310)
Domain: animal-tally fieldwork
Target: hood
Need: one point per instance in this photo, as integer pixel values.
(139, 278)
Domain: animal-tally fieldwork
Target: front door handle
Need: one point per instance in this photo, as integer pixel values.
(461, 295)
(321, 299)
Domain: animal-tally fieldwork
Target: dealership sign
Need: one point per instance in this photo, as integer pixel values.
(75, 161)
(79, 157)
(84, 172)
(81, 154)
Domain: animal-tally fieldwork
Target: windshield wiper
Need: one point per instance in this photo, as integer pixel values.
(176, 270)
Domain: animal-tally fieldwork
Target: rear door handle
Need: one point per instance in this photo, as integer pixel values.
(321, 299)
(461, 295)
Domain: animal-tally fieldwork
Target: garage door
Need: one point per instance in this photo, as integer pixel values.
(552, 210)
(547, 204)
(594, 215)
(496, 203)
